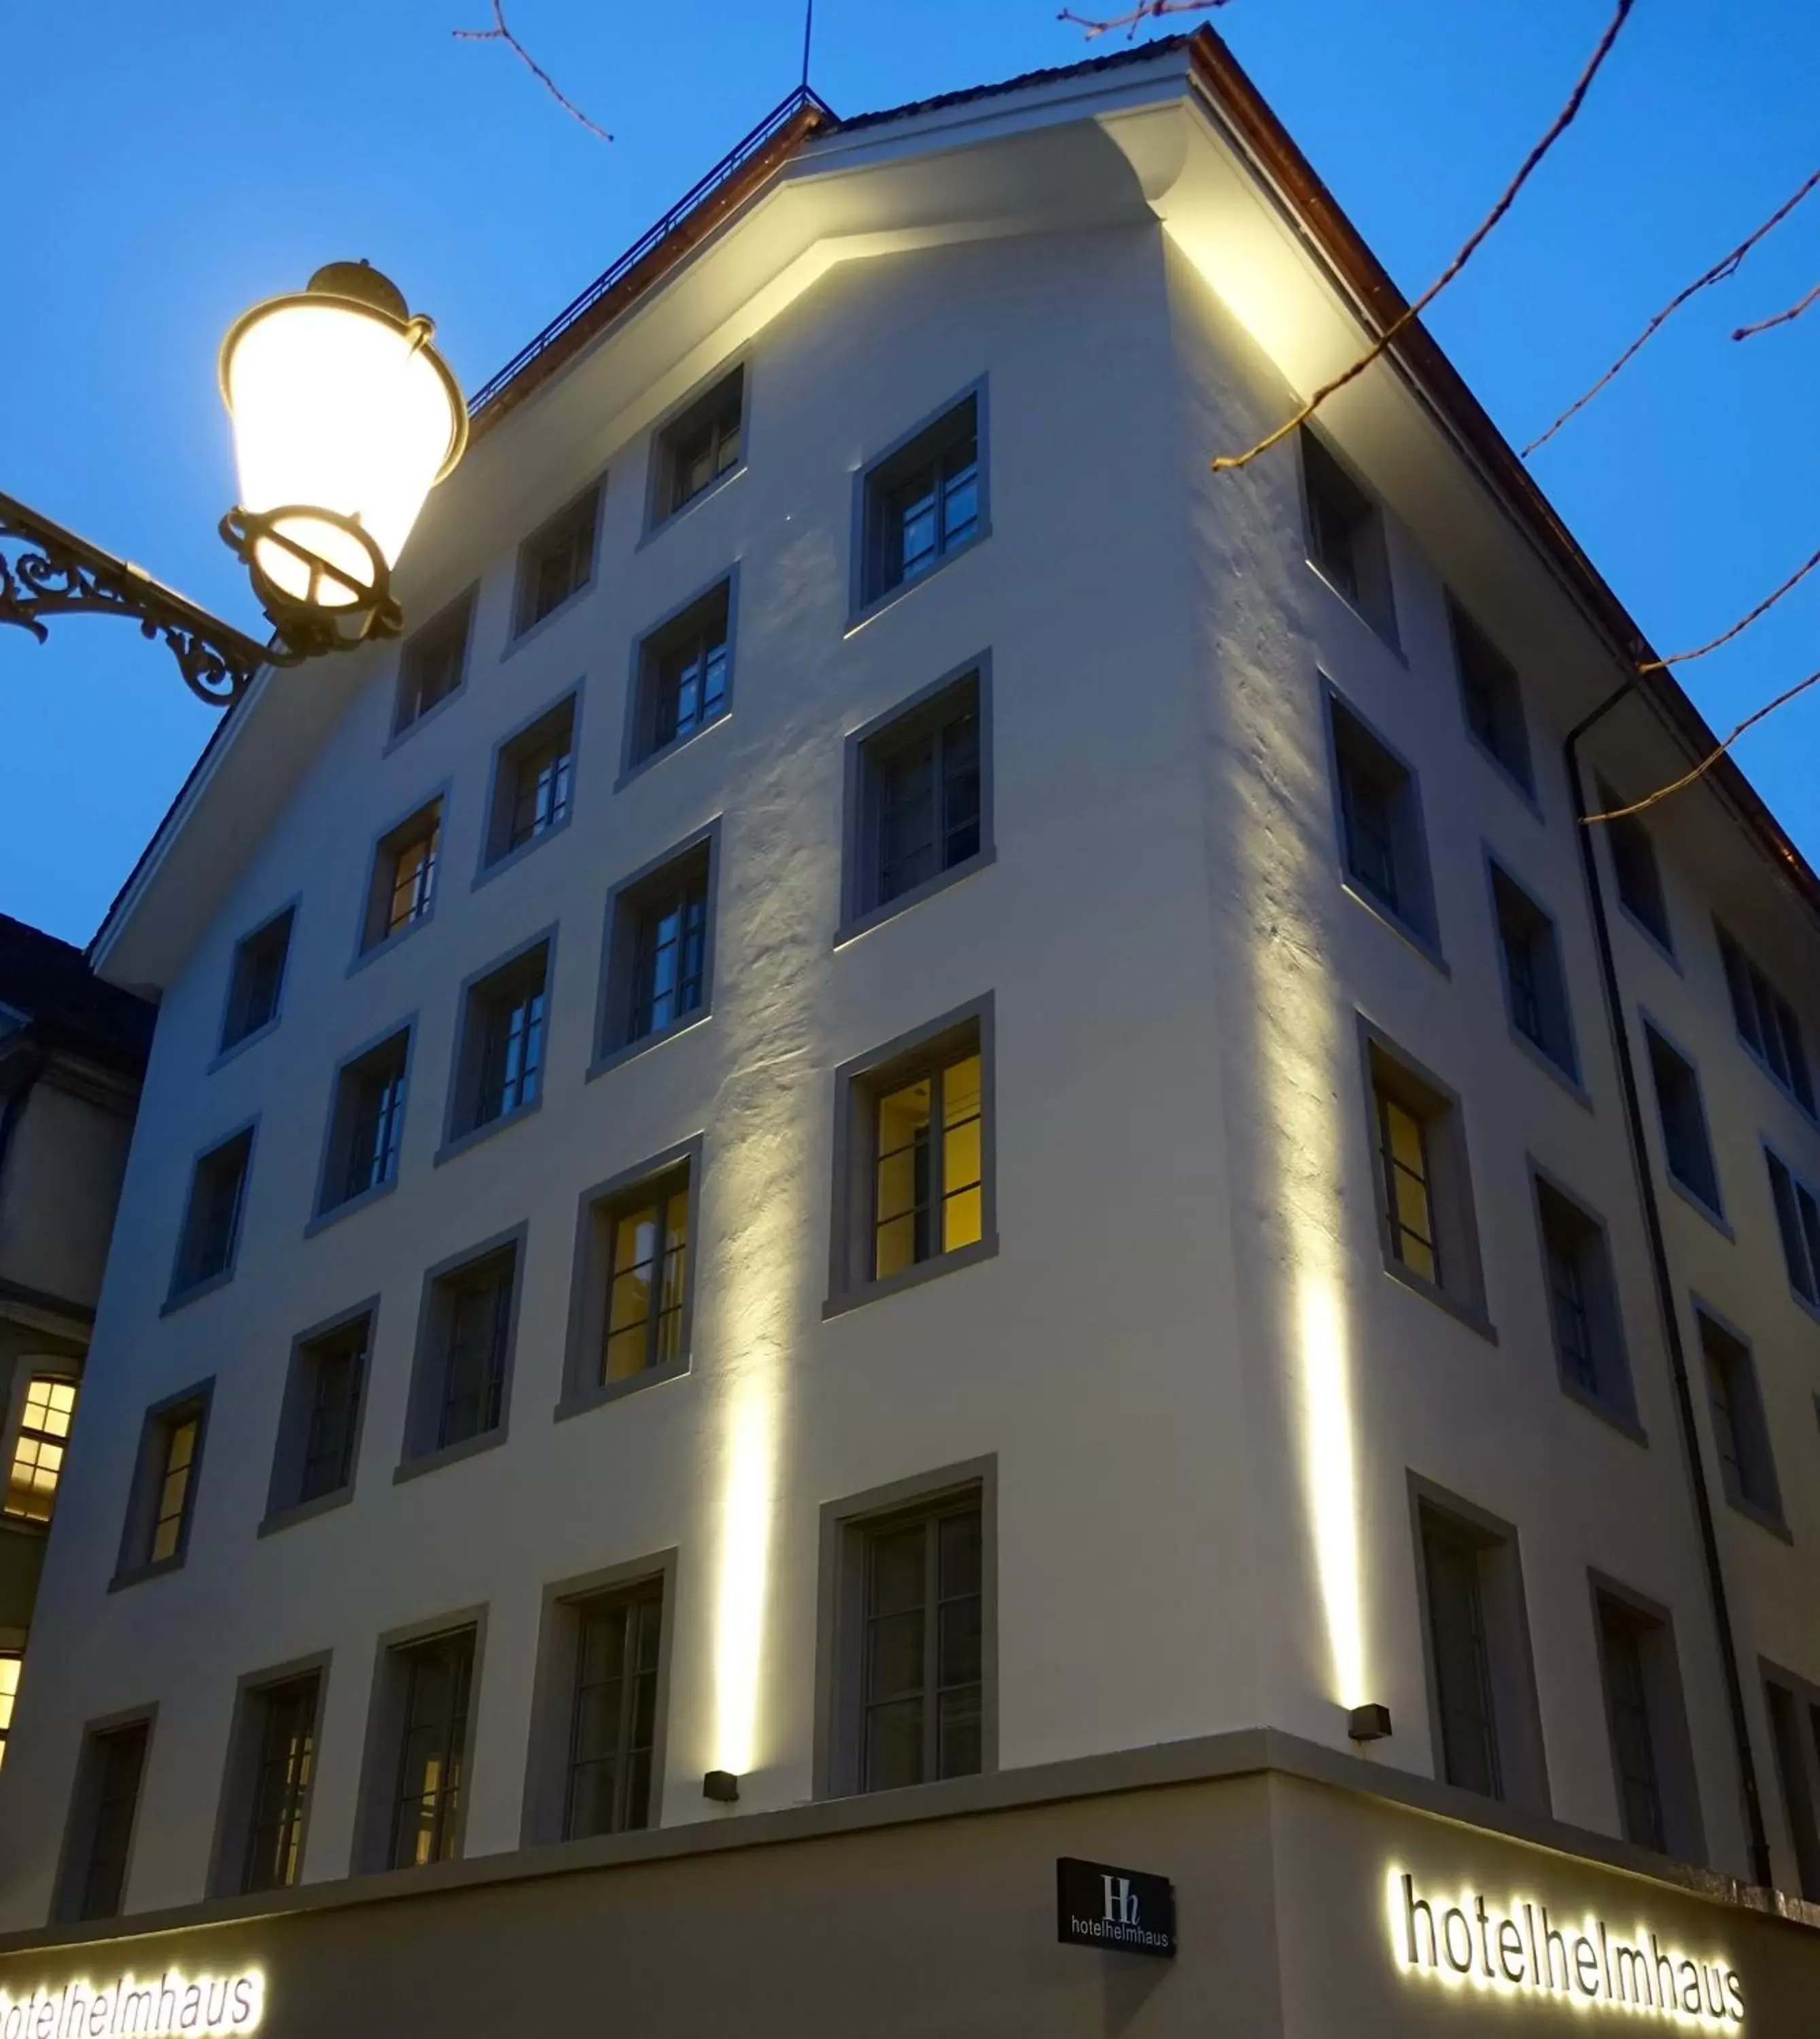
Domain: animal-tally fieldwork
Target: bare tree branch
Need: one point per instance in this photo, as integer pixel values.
(1707, 763)
(1562, 121)
(1781, 318)
(1722, 270)
(1743, 623)
(500, 33)
(1150, 10)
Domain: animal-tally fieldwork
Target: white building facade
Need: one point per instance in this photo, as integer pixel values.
(942, 1178)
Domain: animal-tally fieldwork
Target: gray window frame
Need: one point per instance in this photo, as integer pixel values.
(1631, 829)
(1375, 603)
(381, 877)
(858, 914)
(181, 1292)
(1440, 1107)
(465, 605)
(75, 1856)
(844, 1526)
(1756, 1439)
(498, 853)
(1713, 1209)
(382, 1753)
(282, 1510)
(626, 904)
(531, 549)
(545, 1813)
(473, 1003)
(1802, 1815)
(874, 475)
(1733, 956)
(1517, 771)
(1603, 1304)
(238, 1800)
(643, 677)
(336, 1127)
(1418, 919)
(1800, 1185)
(134, 1562)
(1671, 1745)
(418, 1451)
(582, 1389)
(1516, 1711)
(227, 1049)
(660, 459)
(857, 1084)
(1560, 1057)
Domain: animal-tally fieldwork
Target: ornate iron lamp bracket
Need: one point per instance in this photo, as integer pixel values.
(52, 572)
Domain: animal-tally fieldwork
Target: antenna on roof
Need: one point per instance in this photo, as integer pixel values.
(808, 31)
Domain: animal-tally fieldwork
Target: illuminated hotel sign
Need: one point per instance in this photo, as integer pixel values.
(139, 2007)
(1519, 1949)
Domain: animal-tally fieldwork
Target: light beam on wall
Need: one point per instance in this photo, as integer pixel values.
(1329, 1471)
(745, 1573)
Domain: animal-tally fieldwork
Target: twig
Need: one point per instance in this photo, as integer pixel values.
(1726, 268)
(500, 33)
(1150, 10)
(1781, 318)
(1707, 763)
(1562, 120)
(1743, 623)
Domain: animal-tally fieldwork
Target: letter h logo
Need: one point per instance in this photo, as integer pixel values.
(1121, 1900)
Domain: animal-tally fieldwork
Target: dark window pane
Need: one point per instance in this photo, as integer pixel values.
(1638, 1788)
(479, 1314)
(1462, 1670)
(670, 975)
(428, 1801)
(118, 1758)
(541, 791)
(511, 1048)
(281, 1788)
(613, 1724)
(337, 1367)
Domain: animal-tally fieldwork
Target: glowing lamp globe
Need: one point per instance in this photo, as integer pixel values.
(344, 419)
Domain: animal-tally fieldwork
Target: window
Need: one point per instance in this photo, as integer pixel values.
(12, 1663)
(682, 680)
(613, 1711)
(1640, 888)
(1583, 1301)
(255, 979)
(1381, 843)
(923, 502)
(278, 1735)
(659, 949)
(319, 1425)
(1535, 986)
(1424, 1198)
(102, 1816)
(695, 449)
(1652, 1760)
(1794, 1730)
(1492, 697)
(558, 561)
(211, 1220)
(1739, 1431)
(1797, 1221)
(1346, 537)
(366, 1126)
(499, 1065)
(434, 1680)
(161, 1504)
(44, 1419)
(633, 1292)
(1686, 1146)
(430, 669)
(919, 798)
(465, 1351)
(1766, 1023)
(402, 894)
(1488, 1734)
(532, 783)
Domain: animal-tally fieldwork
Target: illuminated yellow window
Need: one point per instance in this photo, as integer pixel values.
(1403, 1154)
(647, 1285)
(11, 1663)
(174, 1481)
(928, 1178)
(38, 1456)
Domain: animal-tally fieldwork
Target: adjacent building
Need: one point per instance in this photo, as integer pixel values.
(917, 1243)
(72, 1053)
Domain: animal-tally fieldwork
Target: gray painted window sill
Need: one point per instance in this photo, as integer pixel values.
(852, 930)
(1654, 941)
(391, 942)
(509, 858)
(415, 1468)
(1550, 1067)
(1695, 1201)
(1428, 950)
(660, 525)
(580, 1401)
(476, 1135)
(410, 728)
(615, 1057)
(304, 1511)
(227, 1055)
(1387, 638)
(890, 596)
(637, 769)
(137, 1574)
(1784, 1090)
(194, 1292)
(1623, 1421)
(1772, 1525)
(1511, 777)
(349, 1205)
(1474, 1319)
(563, 608)
(911, 1278)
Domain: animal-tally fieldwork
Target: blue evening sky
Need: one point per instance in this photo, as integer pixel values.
(166, 166)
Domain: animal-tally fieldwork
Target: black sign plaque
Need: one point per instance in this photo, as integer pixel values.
(1125, 1910)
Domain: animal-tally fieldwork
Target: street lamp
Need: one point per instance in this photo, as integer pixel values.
(344, 418)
